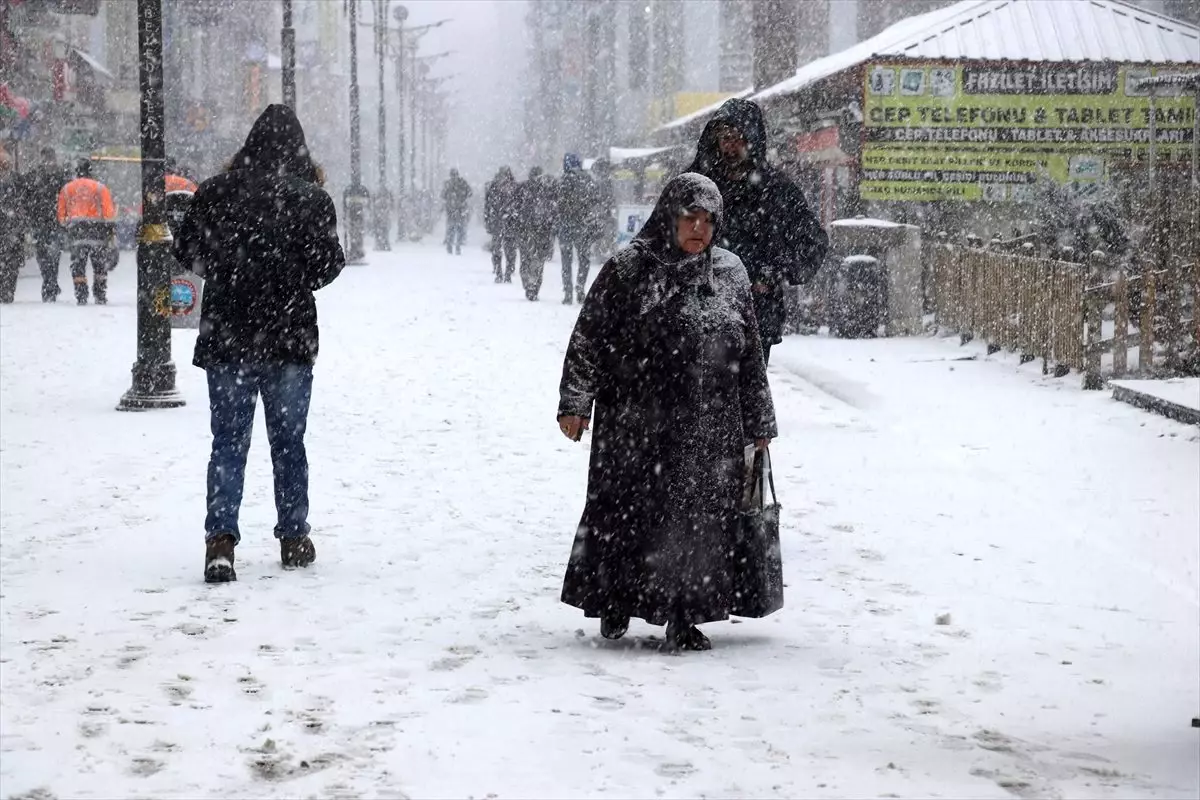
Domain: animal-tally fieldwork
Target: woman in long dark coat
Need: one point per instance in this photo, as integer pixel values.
(667, 353)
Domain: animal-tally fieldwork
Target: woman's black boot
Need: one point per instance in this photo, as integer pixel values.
(613, 625)
(683, 636)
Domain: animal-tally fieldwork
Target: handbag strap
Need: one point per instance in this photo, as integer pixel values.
(762, 466)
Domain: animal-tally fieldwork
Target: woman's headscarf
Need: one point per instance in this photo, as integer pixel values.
(672, 268)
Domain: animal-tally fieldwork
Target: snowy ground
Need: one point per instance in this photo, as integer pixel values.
(426, 654)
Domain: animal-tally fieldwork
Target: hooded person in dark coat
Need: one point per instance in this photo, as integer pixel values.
(665, 358)
(263, 235)
(40, 187)
(501, 215)
(768, 224)
(455, 196)
(577, 204)
(538, 204)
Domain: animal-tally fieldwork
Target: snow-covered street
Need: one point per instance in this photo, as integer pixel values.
(425, 654)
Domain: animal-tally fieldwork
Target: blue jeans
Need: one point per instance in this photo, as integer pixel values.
(233, 390)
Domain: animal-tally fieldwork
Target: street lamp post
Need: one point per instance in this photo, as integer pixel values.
(356, 195)
(401, 14)
(154, 371)
(383, 197)
(287, 72)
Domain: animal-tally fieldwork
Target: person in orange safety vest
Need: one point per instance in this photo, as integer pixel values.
(85, 209)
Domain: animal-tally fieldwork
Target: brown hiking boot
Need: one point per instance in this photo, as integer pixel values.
(218, 559)
(297, 552)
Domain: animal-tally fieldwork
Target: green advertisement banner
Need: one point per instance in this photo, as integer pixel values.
(990, 131)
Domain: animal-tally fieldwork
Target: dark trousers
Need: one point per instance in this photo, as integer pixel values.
(233, 390)
(12, 254)
(504, 247)
(534, 252)
(577, 242)
(456, 231)
(47, 243)
(102, 258)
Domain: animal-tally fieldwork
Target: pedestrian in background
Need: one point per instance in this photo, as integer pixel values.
(455, 196)
(263, 235)
(768, 224)
(577, 204)
(12, 228)
(40, 188)
(501, 217)
(665, 358)
(539, 217)
(604, 235)
(87, 214)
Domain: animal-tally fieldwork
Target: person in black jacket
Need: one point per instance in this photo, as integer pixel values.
(577, 202)
(40, 187)
(263, 235)
(455, 196)
(12, 229)
(537, 200)
(501, 216)
(767, 222)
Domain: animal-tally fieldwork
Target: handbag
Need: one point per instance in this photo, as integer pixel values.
(757, 559)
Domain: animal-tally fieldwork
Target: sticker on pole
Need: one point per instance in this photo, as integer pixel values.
(187, 292)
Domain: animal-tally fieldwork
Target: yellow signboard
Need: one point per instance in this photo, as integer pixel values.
(990, 131)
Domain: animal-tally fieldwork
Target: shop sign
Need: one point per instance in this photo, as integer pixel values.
(989, 131)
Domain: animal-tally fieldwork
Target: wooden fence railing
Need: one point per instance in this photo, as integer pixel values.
(1059, 311)
(1015, 302)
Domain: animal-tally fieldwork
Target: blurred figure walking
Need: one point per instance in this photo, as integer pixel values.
(86, 211)
(12, 229)
(40, 188)
(577, 203)
(501, 215)
(455, 196)
(539, 215)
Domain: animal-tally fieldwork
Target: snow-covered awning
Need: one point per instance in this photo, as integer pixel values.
(92, 62)
(618, 154)
(1016, 30)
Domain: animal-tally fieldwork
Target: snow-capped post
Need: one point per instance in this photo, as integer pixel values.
(1093, 312)
(153, 372)
(287, 72)
(356, 196)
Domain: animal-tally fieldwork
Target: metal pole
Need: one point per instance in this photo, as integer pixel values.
(412, 98)
(402, 203)
(383, 197)
(356, 194)
(287, 72)
(153, 372)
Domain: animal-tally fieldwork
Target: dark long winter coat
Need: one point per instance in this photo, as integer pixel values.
(666, 361)
(768, 224)
(263, 235)
(538, 200)
(578, 202)
(40, 187)
(501, 204)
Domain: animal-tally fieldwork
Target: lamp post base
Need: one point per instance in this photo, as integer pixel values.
(153, 388)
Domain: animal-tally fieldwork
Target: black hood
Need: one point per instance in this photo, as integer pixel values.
(276, 144)
(747, 117)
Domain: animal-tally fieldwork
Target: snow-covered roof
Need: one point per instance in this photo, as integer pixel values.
(700, 113)
(1017, 30)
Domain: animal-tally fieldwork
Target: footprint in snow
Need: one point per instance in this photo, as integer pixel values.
(675, 769)
(144, 767)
